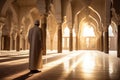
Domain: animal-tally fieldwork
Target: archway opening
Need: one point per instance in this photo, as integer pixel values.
(65, 39)
(88, 30)
(112, 37)
(88, 39)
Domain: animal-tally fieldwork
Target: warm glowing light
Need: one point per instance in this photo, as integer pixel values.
(66, 32)
(110, 31)
(75, 63)
(88, 63)
(88, 31)
(49, 65)
(66, 66)
(111, 68)
(15, 62)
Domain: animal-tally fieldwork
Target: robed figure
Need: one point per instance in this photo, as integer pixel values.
(35, 52)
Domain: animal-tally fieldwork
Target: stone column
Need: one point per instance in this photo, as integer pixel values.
(18, 43)
(11, 42)
(101, 42)
(0, 39)
(76, 24)
(59, 38)
(23, 43)
(15, 40)
(118, 42)
(1, 26)
(6, 42)
(2, 43)
(106, 40)
(14, 43)
(71, 40)
(26, 43)
(44, 27)
(76, 41)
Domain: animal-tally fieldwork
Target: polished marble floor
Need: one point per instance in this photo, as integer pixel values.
(75, 65)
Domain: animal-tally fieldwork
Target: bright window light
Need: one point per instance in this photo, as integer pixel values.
(88, 31)
(66, 32)
(110, 31)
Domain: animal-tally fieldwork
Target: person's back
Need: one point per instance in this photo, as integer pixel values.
(35, 38)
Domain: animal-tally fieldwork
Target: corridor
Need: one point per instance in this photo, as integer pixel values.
(75, 65)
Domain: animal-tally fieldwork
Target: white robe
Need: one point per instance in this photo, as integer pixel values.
(35, 52)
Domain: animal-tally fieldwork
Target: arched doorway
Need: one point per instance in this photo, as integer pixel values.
(65, 38)
(112, 36)
(88, 37)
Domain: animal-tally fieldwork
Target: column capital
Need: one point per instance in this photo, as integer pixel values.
(105, 29)
(59, 26)
(44, 18)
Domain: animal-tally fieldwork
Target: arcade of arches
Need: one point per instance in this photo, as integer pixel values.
(66, 24)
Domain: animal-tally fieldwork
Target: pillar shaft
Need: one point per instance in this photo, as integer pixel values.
(59, 38)
(1, 26)
(17, 43)
(6, 42)
(11, 43)
(44, 27)
(71, 41)
(106, 41)
(44, 38)
(101, 42)
(0, 41)
(118, 42)
(23, 43)
(76, 42)
(26, 44)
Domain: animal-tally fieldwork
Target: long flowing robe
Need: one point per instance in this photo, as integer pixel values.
(35, 52)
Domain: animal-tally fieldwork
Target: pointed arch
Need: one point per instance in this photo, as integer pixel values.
(95, 12)
(8, 5)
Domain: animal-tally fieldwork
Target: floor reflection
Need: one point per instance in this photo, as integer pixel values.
(75, 65)
(88, 63)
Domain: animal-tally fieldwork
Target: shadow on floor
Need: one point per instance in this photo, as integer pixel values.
(23, 77)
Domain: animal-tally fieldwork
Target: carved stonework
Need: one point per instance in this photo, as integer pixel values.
(22, 32)
(116, 16)
(105, 29)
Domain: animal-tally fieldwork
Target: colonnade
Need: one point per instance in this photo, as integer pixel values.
(18, 41)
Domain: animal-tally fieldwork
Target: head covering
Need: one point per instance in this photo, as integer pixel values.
(37, 22)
